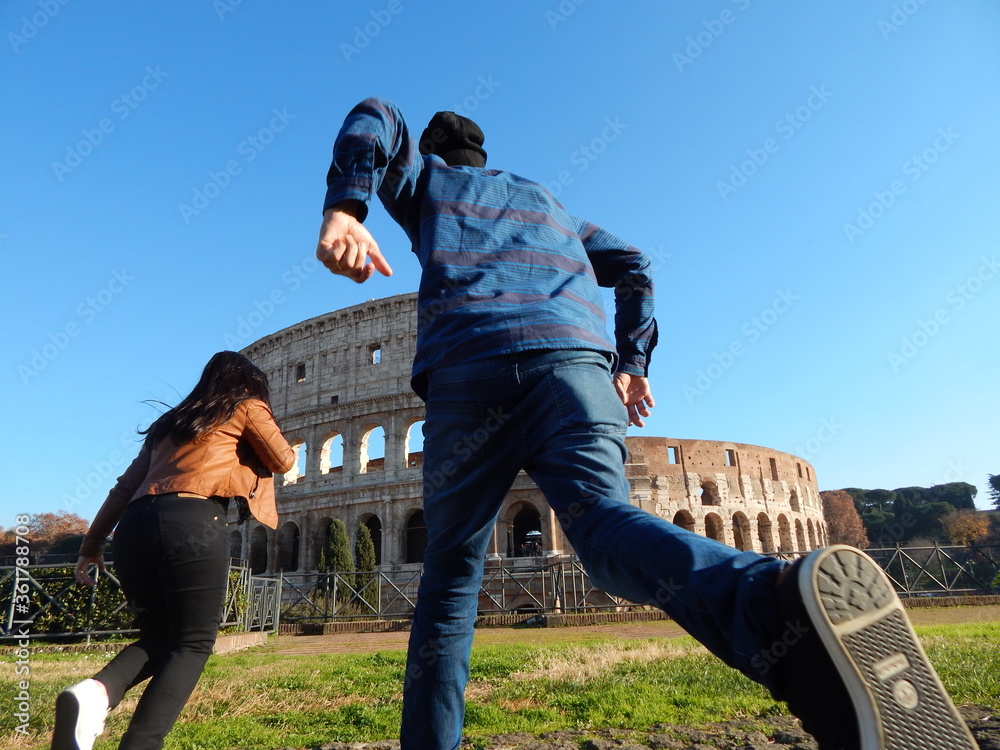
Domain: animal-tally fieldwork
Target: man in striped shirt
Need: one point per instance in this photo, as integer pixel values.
(517, 371)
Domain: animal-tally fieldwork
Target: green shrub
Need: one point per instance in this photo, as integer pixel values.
(64, 606)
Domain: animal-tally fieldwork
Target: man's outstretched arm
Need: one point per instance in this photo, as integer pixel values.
(373, 155)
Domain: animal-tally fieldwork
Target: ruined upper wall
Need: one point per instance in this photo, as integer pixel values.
(718, 457)
(358, 353)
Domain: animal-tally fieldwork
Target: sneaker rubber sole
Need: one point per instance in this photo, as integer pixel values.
(898, 698)
(67, 717)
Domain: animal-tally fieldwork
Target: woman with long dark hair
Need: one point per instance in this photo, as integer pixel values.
(171, 547)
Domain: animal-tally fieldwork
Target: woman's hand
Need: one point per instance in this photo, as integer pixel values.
(82, 572)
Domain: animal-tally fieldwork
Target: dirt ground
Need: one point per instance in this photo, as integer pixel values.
(786, 734)
(783, 733)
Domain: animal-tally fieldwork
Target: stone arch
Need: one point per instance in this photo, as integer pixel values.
(765, 534)
(714, 529)
(785, 543)
(741, 532)
(331, 454)
(525, 532)
(371, 455)
(811, 531)
(413, 447)
(525, 604)
(288, 547)
(416, 537)
(298, 470)
(321, 535)
(709, 492)
(236, 544)
(258, 550)
(374, 525)
(684, 519)
(800, 536)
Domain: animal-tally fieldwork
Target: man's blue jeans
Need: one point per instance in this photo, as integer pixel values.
(556, 415)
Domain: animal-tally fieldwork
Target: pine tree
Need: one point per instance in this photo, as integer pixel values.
(364, 556)
(339, 560)
(994, 481)
(364, 549)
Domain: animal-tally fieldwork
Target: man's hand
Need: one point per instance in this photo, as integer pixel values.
(345, 247)
(635, 394)
(82, 572)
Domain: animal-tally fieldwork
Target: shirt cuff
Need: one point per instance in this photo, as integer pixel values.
(337, 193)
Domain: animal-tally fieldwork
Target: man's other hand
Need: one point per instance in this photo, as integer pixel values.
(635, 394)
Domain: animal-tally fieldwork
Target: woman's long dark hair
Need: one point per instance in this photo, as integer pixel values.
(227, 379)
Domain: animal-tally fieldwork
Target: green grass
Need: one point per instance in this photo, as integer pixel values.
(967, 658)
(258, 699)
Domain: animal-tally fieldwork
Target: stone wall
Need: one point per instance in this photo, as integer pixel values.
(341, 393)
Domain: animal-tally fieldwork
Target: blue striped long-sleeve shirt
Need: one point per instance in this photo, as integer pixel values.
(505, 267)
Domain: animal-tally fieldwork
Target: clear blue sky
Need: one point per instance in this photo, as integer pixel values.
(817, 183)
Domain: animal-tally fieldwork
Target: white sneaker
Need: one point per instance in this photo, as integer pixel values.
(80, 714)
(857, 633)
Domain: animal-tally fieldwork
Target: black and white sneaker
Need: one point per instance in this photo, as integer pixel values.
(80, 714)
(857, 677)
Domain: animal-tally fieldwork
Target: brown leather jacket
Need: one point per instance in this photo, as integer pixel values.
(235, 459)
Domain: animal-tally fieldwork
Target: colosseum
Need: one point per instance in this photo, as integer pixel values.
(341, 392)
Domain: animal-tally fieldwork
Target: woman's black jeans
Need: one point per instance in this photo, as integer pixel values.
(171, 555)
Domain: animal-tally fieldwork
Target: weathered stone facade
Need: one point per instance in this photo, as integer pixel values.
(340, 379)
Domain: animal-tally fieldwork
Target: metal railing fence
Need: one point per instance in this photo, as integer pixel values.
(34, 599)
(561, 585)
(941, 570)
(44, 602)
(517, 586)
